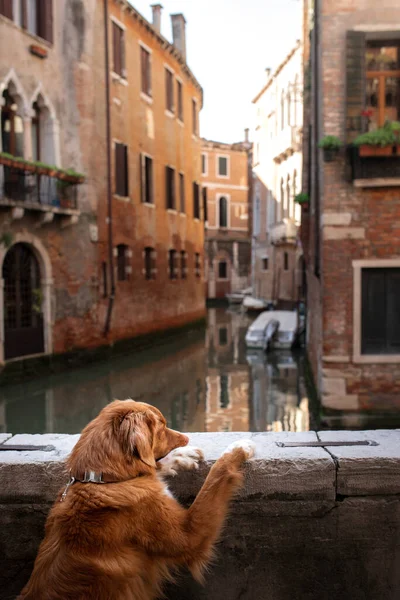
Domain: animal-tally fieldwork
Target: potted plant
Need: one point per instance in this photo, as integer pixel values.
(330, 145)
(383, 141)
(302, 199)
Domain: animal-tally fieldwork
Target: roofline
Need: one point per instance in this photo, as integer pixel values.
(236, 146)
(164, 43)
(277, 71)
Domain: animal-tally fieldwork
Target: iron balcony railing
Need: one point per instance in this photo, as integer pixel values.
(37, 187)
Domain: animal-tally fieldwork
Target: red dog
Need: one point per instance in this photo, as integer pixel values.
(116, 532)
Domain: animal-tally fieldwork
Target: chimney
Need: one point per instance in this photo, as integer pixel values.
(179, 33)
(157, 8)
(246, 135)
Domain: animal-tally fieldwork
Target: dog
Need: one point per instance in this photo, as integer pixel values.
(116, 532)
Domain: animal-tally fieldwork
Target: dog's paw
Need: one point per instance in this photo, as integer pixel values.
(248, 446)
(185, 459)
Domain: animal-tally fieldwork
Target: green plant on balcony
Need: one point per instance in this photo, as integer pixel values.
(330, 145)
(302, 198)
(40, 168)
(384, 141)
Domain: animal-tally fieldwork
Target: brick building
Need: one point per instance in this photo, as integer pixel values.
(277, 167)
(226, 193)
(350, 232)
(85, 261)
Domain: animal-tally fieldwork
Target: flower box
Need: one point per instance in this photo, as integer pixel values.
(368, 150)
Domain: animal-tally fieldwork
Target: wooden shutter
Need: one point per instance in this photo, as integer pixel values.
(142, 178)
(6, 8)
(167, 188)
(45, 19)
(373, 311)
(205, 208)
(393, 310)
(121, 170)
(355, 83)
(182, 192)
(116, 49)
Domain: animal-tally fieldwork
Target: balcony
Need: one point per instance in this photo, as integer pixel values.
(287, 142)
(48, 191)
(376, 170)
(284, 232)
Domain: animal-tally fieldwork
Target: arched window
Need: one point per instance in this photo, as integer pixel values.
(122, 262)
(36, 132)
(12, 126)
(223, 211)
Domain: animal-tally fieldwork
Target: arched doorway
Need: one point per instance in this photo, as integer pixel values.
(23, 300)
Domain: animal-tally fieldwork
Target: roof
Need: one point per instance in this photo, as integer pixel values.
(277, 71)
(164, 43)
(236, 146)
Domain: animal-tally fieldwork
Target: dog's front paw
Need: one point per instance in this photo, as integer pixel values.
(248, 446)
(185, 459)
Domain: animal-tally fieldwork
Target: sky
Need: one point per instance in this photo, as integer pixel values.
(229, 44)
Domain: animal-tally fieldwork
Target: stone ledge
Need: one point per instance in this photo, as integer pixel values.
(278, 480)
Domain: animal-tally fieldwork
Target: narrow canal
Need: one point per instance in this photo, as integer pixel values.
(202, 381)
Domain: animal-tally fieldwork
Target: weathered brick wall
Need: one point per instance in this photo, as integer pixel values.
(356, 224)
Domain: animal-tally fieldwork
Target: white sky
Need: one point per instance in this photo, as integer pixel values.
(229, 45)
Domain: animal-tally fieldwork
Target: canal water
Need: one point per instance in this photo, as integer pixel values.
(202, 381)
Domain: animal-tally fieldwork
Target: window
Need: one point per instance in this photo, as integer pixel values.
(170, 187)
(169, 90)
(12, 126)
(122, 259)
(380, 312)
(197, 265)
(222, 166)
(145, 63)
(288, 198)
(172, 255)
(289, 109)
(286, 261)
(146, 163)
(265, 263)
(205, 207)
(223, 211)
(118, 40)
(223, 336)
(149, 263)
(36, 16)
(179, 95)
(383, 83)
(121, 170)
(182, 192)
(183, 264)
(222, 269)
(196, 200)
(35, 132)
(204, 165)
(194, 117)
(282, 109)
(282, 199)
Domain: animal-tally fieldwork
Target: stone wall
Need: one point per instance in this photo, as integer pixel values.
(310, 523)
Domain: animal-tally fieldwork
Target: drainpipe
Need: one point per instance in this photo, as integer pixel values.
(111, 297)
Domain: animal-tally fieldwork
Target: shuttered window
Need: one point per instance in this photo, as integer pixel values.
(146, 169)
(355, 83)
(179, 94)
(121, 170)
(6, 8)
(172, 266)
(380, 316)
(118, 36)
(169, 90)
(223, 166)
(182, 192)
(150, 263)
(196, 200)
(205, 207)
(170, 187)
(145, 63)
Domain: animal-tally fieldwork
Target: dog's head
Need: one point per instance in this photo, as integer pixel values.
(126, 439)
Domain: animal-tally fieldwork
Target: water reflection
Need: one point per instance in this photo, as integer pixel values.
(203, 381)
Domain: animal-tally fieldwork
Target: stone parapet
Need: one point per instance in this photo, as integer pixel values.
(310, 522)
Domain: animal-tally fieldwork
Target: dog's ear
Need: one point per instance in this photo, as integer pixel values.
(137, 435)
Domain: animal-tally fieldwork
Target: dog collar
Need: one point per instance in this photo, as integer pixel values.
(90, 477)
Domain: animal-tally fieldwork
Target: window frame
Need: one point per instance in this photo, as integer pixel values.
(149, 263)
(119, 70)
(122, 262)
(182, 195)
(183, 264)
(204, 156)
(179, 100)
(144, 158)
(381, 76)
(118, 178)
(228, 211)
(172, 266)
(170, 104)
(358, 266)
(170, 188)
(196, 201)
(146, 71)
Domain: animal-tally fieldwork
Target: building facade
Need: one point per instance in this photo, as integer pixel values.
(277, 168)
(226, 193)
(101, 226)
(351, 229)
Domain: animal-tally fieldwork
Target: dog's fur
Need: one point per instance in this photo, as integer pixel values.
(119, 541)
